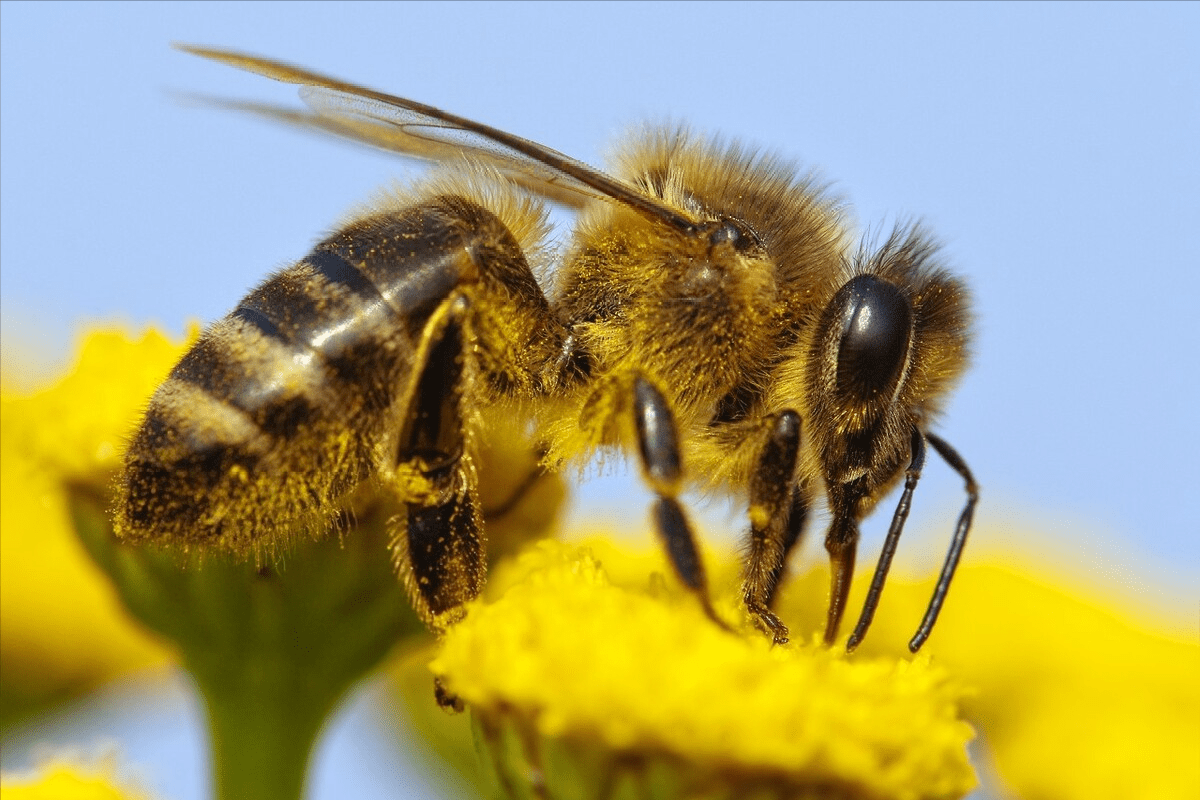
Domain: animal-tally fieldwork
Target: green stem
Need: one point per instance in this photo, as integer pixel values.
(264, 721)
(271, 647)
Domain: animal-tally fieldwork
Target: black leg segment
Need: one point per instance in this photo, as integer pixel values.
(658, 445)
(439, 539)
(446, 554)
(951, 457)
(911, 476)
(841, 542)
(658, 440)
(773, 496)
(677, 538)
(793, 534)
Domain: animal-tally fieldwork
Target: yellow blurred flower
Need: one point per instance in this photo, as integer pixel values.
(61, 626)
(1077, 701)
(272, 647)
(1073, 698)
(61, 780)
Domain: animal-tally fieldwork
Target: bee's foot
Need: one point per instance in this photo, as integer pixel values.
(450, 703)
(767, 622)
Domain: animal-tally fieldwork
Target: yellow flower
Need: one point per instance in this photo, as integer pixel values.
(1074, 698)
(61, 626)
(271, 646)
(59, 780)
(616, 680)
(1105, 707)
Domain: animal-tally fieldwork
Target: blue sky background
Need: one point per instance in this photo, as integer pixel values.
(1052, 147)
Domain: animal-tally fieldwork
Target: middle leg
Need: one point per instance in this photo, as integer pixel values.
(777, 510)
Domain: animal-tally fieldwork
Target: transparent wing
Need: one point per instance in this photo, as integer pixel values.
(414, 129)
(413, 133)
(532, 175)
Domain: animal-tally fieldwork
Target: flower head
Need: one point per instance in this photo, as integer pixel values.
(576, 662)
(61, 626)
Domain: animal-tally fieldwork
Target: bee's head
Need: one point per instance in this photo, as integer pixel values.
(873, 323)
(892, 338)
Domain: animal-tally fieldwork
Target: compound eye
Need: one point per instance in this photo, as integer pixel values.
(735, 233)
(876, 327)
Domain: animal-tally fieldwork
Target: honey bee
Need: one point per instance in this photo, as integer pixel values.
(707, 315)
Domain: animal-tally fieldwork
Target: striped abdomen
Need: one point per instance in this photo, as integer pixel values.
(286, 403)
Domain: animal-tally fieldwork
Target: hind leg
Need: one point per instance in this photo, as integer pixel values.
(438, 540)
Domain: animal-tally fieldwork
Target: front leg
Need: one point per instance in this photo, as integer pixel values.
(841, 542)
(658, 446)
(911, 476)
(956, 462)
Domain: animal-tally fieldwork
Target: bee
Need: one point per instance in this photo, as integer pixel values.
(707, 315)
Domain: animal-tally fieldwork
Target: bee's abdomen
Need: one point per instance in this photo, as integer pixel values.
(280, 407)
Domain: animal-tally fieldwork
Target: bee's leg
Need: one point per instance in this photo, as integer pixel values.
(841, 542)
(658, 445)
(773, 499)
(793, 532)
(911, 476)
(438, 540)
(951, 457)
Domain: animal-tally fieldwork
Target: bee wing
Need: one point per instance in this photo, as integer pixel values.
(415, 129)
(419, 135)
(531, 175)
